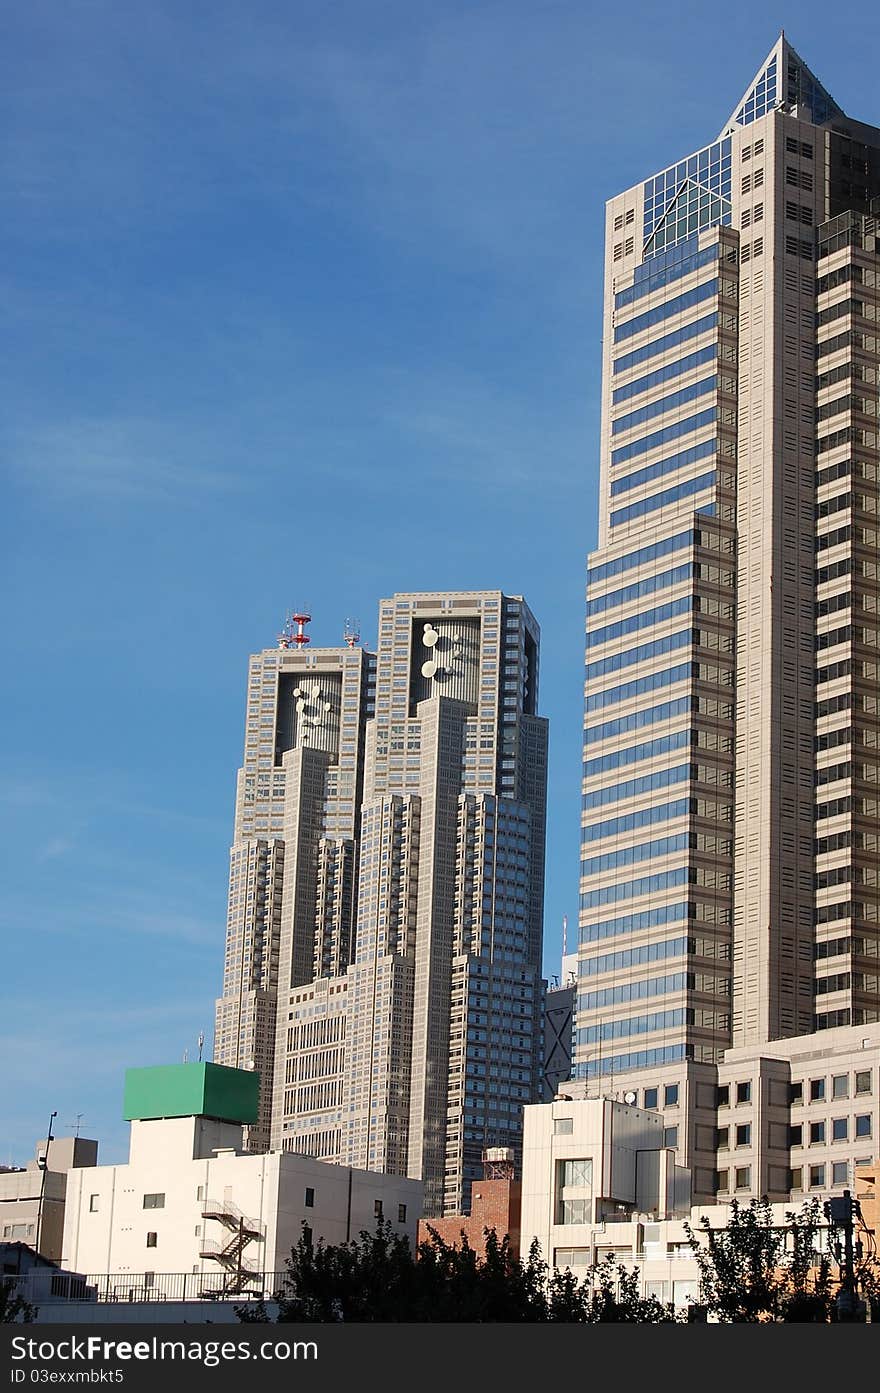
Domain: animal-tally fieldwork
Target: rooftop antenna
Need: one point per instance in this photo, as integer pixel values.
(564, 934)
(186, 1056)
(76, 1125)
(201, 1044)
(293, 633)
(351, 633)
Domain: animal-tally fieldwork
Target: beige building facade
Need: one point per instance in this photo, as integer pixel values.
(729, 901)
(32, 1197)
(384, 938)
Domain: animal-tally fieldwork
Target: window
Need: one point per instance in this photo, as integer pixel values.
(796, 1178)
(154, 1201)
(796, 1136)
(200, 1192)
(722, 1096)
(817, 1090)
(151, 1240)
(863, 1125)
(670, 1095)
(722, 1138)
(795, 1093)
(198, 1230)
(863, 1081)
(743, 1092)
(576, 1173)
(309, 1200)
(670, 1136)
(307, 1235)
(401, 1213)
(651, 1097)
(743, 1177)
(744, 1134)
(377, 1209)
(817, 1133)
(817, 1177)
(93, 1204)
(840, 1086)
(840, 1129)
(563, 1126)
(840, 1173)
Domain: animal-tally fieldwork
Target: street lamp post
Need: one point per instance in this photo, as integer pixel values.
(43, 1163)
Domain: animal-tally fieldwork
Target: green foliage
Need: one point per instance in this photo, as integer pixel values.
(754, 1270)
(377, 1277)
(14, 1308)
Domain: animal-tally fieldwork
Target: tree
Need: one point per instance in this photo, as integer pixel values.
(614, 1297)
(13, 1307)
(755, 1270)
(377, 1277)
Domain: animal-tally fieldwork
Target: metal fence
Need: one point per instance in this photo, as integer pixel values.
(42, 1286)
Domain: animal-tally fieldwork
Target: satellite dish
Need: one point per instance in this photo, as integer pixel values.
(629, 1097)
(429, 668)
(430, 636)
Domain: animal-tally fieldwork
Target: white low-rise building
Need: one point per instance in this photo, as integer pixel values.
(598, 1183)
(192, 1213)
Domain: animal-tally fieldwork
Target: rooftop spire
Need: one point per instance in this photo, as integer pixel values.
(784, 79)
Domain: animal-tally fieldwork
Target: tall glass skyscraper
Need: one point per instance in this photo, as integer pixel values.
(729, 873)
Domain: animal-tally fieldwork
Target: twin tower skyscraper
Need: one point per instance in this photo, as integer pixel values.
(383, 967)
(384, 932)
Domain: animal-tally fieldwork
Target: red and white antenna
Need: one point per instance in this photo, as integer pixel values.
(352, 633)
(293, 634)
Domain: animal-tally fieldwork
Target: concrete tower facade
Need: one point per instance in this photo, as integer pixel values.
(293, 858)
(406, 988)
(728, 796)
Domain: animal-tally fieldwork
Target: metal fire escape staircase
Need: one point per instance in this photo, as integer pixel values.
(230, 1252)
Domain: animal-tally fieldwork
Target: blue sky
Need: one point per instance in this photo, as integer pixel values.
(302, 305)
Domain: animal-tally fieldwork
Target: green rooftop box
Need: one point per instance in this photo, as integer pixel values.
(192, 1090)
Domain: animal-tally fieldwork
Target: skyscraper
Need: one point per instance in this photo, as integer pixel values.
(729, 894)
(385, 924)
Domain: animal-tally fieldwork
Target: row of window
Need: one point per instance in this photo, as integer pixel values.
(634, 889)
(634, 991)
(634, 1025)
(661, 580)
(668, 465)
(840, 1130)
(665, 343)
(674, 269)
(632, 788)
(653, 552)
(666, 677)
(631, 855)
(629, 822)
(664, 436)
(632, 754)
(663, 404)
(677, 305)
(645, 651)
(634, 923)
(643, 619)
(634, 957)
(662, 500)
(649, 715)
(667, 373)
(636, 1059)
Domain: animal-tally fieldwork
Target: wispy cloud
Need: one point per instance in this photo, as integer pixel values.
(132, 459)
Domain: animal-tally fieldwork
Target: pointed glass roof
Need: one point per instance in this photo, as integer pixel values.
(784, 79)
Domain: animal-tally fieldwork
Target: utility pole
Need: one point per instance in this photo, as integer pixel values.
(43, 1163)
(840, 1213)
